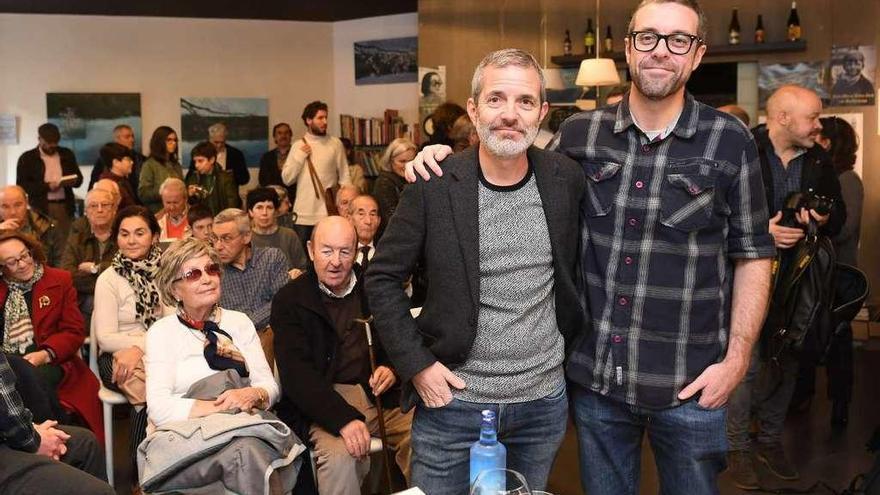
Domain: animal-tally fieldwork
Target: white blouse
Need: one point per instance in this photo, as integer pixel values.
(175, 360)
(114, 319)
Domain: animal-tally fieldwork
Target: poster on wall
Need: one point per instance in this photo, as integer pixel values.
(390, 61)
(810, 75)
(8, 129)
(852, 71)
(86, 120)
(246, 120)
(432, 92)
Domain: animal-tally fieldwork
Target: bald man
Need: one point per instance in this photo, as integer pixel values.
(16, 215)
(323, 361)
(790, 163)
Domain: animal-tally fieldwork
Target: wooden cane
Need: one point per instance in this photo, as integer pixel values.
(379, 413)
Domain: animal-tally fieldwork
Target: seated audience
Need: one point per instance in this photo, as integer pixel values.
(273, 160)
(42, 458)
(200, 219)
(229, 159)
(364, 215)
(90, 248)
(123, 135)
(284, 212)
(390, 183)
(121, 167)
(126, 304)
(251, 275)
(344, 195)
(48, 173)
(161, 165)
(17, 216)
(355, 169)
(42, 323)
(201, 361)
(261, 204)
(324, 365)
(207, 183)
(172, 217)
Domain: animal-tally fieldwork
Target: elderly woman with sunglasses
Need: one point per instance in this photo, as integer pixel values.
(199, 343)
(40, 321)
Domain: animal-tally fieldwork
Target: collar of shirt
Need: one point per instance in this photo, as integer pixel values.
(684, 126)
(352, 282)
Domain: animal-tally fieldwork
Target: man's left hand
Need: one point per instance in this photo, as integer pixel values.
(382, 379)
(716, 382)
(38, 358)
(803, 217)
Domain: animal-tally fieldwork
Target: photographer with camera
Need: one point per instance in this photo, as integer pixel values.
(207, 184)
(803, 195)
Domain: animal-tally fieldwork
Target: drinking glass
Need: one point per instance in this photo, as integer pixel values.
(500, 482)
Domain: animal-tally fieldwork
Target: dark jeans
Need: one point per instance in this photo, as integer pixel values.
(441, 441)
(81, 470)
(688, 443)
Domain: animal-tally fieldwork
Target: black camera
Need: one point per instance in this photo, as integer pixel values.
(808, 200)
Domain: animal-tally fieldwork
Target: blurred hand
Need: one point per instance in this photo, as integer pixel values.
(85, 267)
(11, 224)
(356, 436)
(381, 380)
(52, 440)
(244, 399)
(429, 157)
(294, 273)
(803, 217)
(124, 363)
(306, 148)
(784, 237)
(432, 384)
(37, 358)
(716, 382)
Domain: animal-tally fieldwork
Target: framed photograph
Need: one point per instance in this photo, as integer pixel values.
(390, 61)
(86, 120)
(246, 119)
(852, 71)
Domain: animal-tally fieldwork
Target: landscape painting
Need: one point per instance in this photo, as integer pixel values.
(246, 119)
(86, 120)
(388, 61)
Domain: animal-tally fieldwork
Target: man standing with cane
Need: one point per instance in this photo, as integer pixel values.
(327, 380)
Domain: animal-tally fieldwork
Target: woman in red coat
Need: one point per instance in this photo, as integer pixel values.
(41, 322)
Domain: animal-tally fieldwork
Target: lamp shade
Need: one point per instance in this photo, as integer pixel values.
(553, 79)
(597, 72)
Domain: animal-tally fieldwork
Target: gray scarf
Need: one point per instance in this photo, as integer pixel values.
(18, 329)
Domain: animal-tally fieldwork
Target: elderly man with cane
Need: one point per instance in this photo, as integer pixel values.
(328, 379)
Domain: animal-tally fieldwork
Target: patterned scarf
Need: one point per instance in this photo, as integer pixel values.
(141, 274)
(220, 351)
(18, 329)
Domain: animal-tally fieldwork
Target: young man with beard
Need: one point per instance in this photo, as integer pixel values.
(316, 163)
(675, 259)
(498, 235)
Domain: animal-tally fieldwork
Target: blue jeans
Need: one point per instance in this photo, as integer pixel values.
(441, 441)
(688, 441)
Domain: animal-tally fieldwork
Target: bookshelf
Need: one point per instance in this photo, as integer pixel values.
(370, 136)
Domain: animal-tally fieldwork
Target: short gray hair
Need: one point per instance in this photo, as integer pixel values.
(217, 129)
(172, 260)
(236, 215)
(172, 183)
(506, 58)
(398, 146)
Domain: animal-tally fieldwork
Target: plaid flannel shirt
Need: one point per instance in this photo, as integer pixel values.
(16, 422)
(662, 223)
(251, 290)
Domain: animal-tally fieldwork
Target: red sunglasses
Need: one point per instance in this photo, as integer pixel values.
(195, 274)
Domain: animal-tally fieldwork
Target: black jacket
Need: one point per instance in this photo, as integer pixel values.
(305, 344)
(817, 174)
(30, 174)
(235, 164)
(439, 222)
(270, 175)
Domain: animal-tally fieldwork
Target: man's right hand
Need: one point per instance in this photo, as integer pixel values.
(428, 157)
(11, 224)
(306, 148)
(784, 237)
(51, 440)
(356, 436)
(432, 384)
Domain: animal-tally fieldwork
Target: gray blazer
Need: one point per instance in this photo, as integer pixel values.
(436, 223)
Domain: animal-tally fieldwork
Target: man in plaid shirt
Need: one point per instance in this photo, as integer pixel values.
(675, 262)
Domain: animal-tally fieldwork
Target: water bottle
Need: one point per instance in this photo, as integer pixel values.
(488, 454)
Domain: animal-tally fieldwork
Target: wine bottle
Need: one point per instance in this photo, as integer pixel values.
(566, 45)
(589, 39)
(733, 32)
(794, 24)
(759, 30)
(609, 41)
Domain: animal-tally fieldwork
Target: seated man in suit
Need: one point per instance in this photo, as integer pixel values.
(328, 389)
(363, 213)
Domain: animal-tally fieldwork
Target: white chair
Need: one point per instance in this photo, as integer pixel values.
(109, 399)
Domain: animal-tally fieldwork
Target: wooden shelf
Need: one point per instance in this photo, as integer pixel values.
(573, 61)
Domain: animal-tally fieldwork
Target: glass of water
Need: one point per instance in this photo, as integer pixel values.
(500, 482)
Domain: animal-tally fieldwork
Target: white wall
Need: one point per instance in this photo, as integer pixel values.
(290, 63)
(370, 100)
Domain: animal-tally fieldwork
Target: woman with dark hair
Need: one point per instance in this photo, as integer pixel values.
(842, 143)
(162, 164)
(442, 120)
(41, 322)
(126, 304)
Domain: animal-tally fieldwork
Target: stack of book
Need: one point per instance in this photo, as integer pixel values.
(374, 131)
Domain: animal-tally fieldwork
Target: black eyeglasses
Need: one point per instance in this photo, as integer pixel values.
(677, 43)
(194, 274)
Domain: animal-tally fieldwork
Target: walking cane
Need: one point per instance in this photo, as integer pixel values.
(379, 413)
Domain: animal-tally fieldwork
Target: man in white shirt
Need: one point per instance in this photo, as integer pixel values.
(316, 163)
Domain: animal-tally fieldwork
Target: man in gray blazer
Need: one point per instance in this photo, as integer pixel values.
(498, 237)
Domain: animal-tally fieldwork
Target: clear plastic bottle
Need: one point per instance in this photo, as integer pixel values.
(488, 453)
